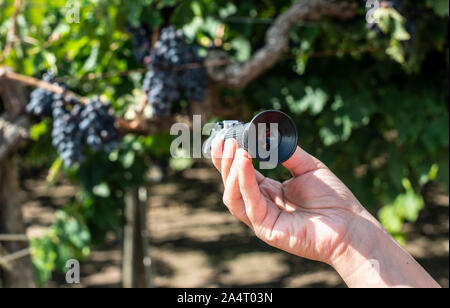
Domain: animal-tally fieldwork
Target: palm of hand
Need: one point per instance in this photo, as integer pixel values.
(307, 215)
(313, 215)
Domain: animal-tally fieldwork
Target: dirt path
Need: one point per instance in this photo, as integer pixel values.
(195, 242)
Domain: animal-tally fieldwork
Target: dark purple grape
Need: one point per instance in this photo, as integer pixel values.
(41, 100)
(193, 80)
(75, 125)
(98, 126)
(141, 42)
(161, 89)
(66, 135)
(175, 67)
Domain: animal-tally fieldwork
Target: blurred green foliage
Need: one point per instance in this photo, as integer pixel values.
(405, 207)
(372, 104)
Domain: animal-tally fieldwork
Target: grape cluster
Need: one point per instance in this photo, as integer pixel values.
(74, 124)
(97, 126)
(161, 90)
(67, 137)
(41, 100)
(169, 72)
(194, 80)
(141, 42)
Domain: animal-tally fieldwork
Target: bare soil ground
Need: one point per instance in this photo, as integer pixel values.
(195, 242)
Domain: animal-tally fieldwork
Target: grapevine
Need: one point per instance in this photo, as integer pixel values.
(167, 77)
(141, 42)
(366, 128)
(74, 124)
(66, 134)
(161, 90)
(97, 126)
(41, 100)
(193, 81)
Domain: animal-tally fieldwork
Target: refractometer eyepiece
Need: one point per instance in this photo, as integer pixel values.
(270, 137)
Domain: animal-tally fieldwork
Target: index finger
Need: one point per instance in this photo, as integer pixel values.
(217, 153)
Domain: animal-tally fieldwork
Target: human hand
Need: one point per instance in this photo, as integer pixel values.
(309, 215)
(315, 216)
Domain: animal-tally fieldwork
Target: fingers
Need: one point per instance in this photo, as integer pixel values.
(216, 152)
(228, 157)
(219, 150)
(226, 160)
(223, 154)
(255, 204)
(232, 196)
(302, 162)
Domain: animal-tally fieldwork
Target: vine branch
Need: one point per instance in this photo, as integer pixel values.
(140, 125)
(136, 126)
(11, 135)
(239, 75)
(8, 74)
(11, 36)
(221, 69)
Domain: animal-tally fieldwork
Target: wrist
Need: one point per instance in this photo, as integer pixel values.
(370, 257)
(360, 251)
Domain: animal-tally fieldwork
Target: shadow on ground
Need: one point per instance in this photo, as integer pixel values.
(195, 242)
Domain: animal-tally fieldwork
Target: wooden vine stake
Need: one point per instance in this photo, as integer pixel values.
(136, 262)
(20, 272)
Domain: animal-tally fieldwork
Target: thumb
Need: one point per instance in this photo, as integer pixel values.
(302, 162)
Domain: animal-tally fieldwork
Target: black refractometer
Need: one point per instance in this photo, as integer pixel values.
(270, 137)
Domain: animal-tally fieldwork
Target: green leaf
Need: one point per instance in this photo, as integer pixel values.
(38, 130)
(102, 190)
(164, 3)
(390, 219)
(50, 58)
(396, 51)
(400, 238)
(398, 32)
(227, 10)
(313, 101)
(242, 47)
(152, 17)
(134, 14)
(328, 136)
(91, 62)
(406, 183)
(196, 8)
(127, 160)
(383, 15)
(440, 7)
(54, 170)
(408, 206)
